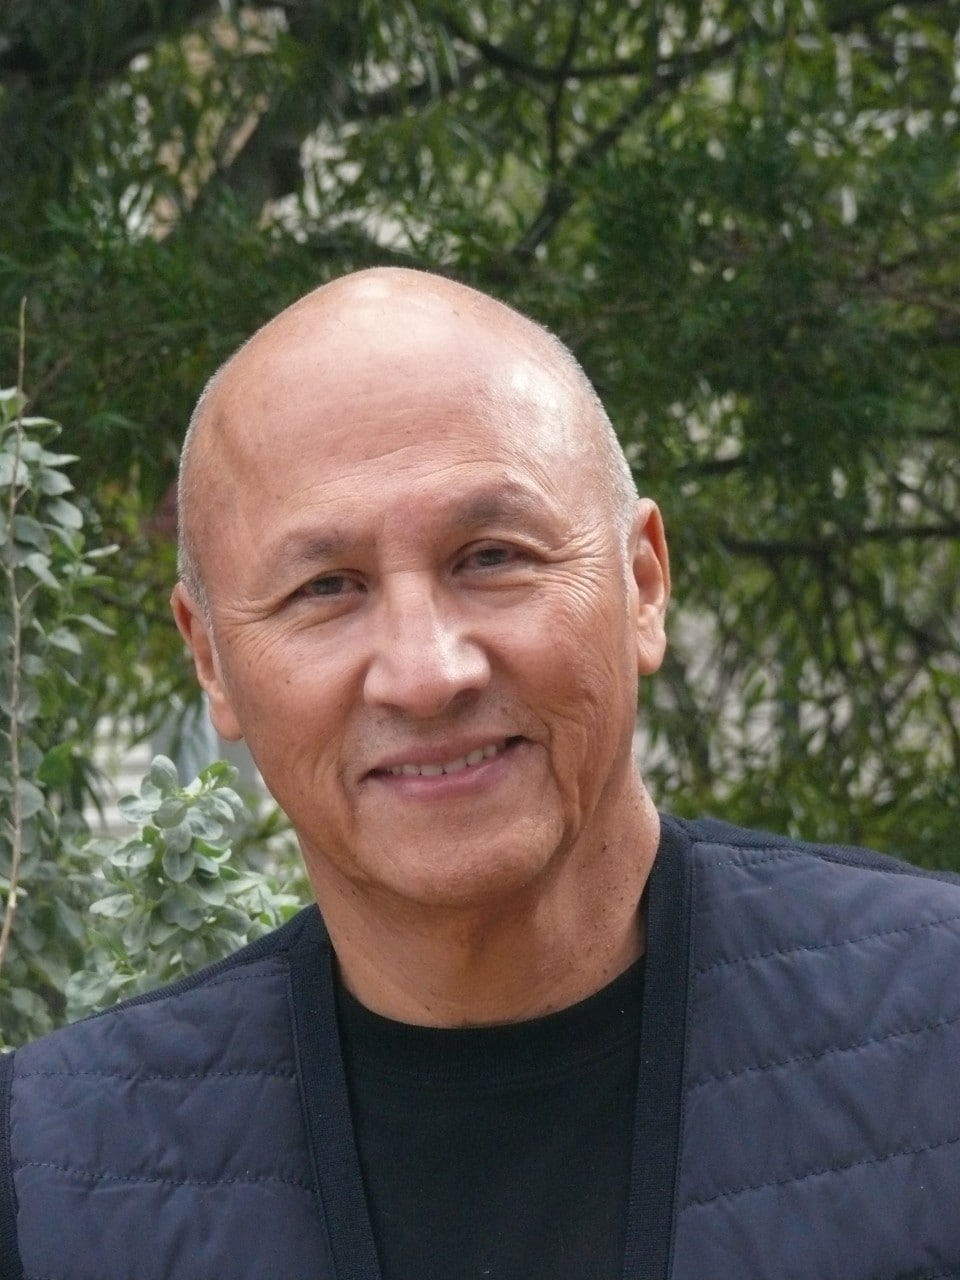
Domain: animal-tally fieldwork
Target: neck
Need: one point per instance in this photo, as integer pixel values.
(549, 946)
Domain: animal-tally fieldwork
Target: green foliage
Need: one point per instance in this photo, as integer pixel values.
(745, 220)
(85, 921)
(173, 898)
(46, 575)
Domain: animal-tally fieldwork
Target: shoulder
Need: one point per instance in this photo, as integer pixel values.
(710, 840)
(822, 1037)
(175, 1025)
(763, 903)
(720, 856)
(182, 1108)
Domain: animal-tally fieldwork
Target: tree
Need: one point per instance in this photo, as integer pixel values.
(742, 218)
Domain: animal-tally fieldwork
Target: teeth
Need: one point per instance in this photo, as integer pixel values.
(452, 766)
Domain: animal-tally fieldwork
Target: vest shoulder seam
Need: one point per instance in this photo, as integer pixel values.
(813, 948)
(111, 1175)
(821, 1172)
(149, 1078)
(899, 1033)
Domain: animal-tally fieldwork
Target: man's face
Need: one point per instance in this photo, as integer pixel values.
(424, 622)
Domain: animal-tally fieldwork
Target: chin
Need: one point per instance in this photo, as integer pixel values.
(479, 882)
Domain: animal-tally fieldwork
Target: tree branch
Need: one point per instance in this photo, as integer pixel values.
(777, 549)
(561, 193)
(496, 55)
(143, 25)
(563, 72)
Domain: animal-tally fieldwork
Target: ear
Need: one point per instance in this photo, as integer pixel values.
(651, 577)
(196, 631)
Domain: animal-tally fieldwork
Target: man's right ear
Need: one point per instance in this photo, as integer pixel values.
(195, 629)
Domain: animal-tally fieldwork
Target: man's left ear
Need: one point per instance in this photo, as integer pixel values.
(651, 577)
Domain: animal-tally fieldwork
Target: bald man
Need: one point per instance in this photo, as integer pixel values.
(531, 1030)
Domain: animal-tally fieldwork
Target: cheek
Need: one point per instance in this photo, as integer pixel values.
(282, 677)
(591, 708)
(290, 708)
(596, 661)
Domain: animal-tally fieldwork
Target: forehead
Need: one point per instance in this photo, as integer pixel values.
(352, 416)
(338, 388)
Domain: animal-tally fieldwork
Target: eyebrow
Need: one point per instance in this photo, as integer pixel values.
(509, 502)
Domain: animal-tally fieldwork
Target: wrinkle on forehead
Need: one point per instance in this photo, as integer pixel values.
(345, 534)
(374, 342)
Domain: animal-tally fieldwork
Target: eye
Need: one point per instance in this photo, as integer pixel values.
(488, 557)
(331, 586)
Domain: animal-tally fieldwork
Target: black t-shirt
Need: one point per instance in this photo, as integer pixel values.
(498, 1153)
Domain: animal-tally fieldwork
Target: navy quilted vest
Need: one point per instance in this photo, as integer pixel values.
(798, 1101)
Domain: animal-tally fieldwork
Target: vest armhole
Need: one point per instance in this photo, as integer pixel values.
(11, 1268)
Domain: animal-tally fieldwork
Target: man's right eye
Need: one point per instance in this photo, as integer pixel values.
(331, 584)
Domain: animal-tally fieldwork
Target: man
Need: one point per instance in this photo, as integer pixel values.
(538, 1032)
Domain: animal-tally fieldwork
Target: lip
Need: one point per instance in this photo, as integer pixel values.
(437, 754)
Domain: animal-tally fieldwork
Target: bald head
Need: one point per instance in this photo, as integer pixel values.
(387, 329)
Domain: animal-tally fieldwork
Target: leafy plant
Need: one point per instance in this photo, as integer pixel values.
(86, 921)
(173, 897)
(45, 572)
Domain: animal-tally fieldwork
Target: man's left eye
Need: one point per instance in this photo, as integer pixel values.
(489, 557)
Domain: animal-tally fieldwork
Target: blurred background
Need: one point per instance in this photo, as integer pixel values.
(744, 219)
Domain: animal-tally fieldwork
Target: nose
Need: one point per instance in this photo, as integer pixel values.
(423, 660)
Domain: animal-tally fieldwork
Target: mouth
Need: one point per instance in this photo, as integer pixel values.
(412, 769)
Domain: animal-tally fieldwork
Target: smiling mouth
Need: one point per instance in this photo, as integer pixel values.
(472, 758)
